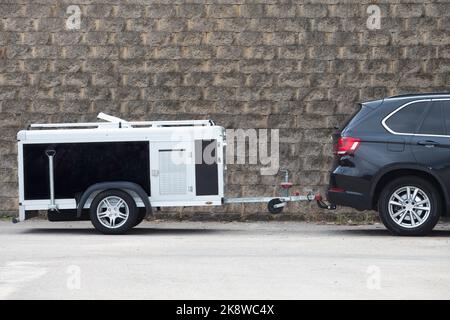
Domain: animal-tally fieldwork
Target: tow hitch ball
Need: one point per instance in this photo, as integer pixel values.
(322, 204)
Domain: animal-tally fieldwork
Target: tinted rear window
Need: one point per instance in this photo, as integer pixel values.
(359, 113)
(446, 111)
(433, 123)
(408, 118)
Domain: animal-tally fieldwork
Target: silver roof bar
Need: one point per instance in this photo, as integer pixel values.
(114, 122)
(66, 125)
(173, 123)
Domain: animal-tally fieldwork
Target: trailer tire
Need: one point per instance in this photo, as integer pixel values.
(113, 212)
(141, 216)
(271, 206)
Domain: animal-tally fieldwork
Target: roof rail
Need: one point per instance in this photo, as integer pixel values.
(74, 125)
(172, 123)
(113, 122)
(420, 94)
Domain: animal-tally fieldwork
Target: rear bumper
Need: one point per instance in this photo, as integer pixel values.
(349, 199)
(349, 189)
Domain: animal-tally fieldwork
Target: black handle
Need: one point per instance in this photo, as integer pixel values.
(427, 143)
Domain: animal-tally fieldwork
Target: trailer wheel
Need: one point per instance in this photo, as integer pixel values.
(141, 215)
(271, 206)
(113, 212)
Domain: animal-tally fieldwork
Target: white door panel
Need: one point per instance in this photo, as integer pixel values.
(172, 171)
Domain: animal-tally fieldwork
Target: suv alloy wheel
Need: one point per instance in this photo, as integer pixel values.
(410, 206)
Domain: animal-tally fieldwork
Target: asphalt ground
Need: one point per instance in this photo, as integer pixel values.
(214, 260)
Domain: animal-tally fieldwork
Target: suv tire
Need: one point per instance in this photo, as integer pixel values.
(400, 206)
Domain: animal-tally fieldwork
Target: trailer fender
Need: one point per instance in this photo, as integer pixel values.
(122, 185)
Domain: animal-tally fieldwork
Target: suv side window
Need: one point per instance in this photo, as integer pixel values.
(433, 123)
(408, 118)
(446, 112)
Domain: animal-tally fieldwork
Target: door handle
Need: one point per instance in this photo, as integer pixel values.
(428, 143)
(155, 173)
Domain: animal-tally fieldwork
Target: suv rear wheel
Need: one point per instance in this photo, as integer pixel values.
(409, 206)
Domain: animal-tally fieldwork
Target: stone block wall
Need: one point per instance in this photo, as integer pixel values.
(297, 66)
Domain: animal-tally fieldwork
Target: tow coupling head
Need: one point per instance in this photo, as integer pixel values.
(323, 204)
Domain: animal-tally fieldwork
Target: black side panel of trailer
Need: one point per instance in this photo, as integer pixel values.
(80, 165)
(206, 170)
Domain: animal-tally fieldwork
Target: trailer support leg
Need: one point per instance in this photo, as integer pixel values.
(50, 154)
(21, 215)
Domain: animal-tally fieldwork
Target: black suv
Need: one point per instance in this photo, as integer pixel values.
(393, 156)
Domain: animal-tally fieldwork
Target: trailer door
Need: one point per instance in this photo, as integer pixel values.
(172, 171)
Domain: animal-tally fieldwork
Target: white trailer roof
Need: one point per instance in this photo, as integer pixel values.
(117, 129)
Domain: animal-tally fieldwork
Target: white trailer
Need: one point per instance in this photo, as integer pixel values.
(115, 172)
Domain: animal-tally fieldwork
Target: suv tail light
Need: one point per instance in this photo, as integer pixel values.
(346, 146)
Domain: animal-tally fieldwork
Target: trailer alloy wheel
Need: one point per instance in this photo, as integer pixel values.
(271, 206)
(113, 212)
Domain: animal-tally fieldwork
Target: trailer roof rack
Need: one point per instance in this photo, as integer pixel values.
(114, 122)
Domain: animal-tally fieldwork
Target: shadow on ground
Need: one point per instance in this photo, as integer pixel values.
(384, 232)
(136, 231)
